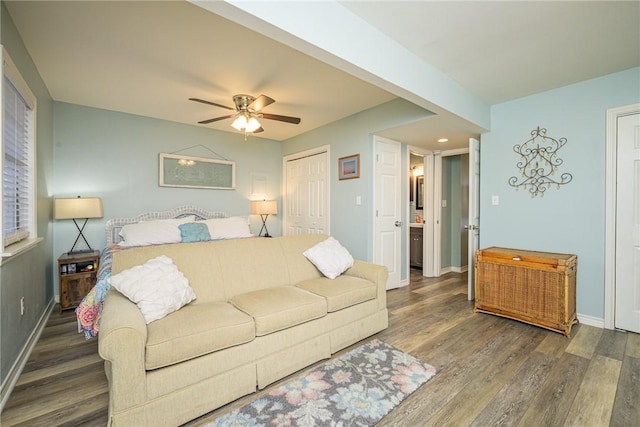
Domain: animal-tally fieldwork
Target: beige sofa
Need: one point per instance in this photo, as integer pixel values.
(210, 352)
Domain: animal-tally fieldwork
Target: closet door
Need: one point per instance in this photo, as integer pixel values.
(305, 197)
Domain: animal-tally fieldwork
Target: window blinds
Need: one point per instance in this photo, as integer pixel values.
(17, 168)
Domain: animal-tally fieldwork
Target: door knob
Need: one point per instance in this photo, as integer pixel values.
(398, 223)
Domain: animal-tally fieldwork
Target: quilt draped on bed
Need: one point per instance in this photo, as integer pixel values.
(89, 310)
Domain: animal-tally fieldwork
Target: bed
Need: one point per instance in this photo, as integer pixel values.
(90, 309)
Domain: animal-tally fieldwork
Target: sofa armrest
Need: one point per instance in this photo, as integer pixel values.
(375, 273)
(122, 342)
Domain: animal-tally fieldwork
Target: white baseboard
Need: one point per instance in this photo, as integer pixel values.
(454, 269)
(445, 270)
(591, 321)
(14, 373)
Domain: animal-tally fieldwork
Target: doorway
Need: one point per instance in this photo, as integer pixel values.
(438, 212)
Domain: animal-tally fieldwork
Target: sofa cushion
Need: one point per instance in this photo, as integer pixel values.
(196, 330)
(341, 292)
(280, 307)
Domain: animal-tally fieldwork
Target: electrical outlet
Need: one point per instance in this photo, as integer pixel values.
(22, 306)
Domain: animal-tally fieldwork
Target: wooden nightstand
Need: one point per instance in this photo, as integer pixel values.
(77, 273)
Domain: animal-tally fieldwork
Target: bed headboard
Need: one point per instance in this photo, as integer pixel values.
(113, 226)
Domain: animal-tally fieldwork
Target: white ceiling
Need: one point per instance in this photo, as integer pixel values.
(147, 58)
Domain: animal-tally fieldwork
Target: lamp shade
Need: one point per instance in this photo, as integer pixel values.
(72, 208)
(264, 207)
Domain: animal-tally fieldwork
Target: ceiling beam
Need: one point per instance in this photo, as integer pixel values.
(333, 34)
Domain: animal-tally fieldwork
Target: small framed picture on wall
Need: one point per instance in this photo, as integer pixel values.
(349, 167)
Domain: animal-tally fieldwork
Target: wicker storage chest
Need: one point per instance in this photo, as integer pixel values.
(533, 287)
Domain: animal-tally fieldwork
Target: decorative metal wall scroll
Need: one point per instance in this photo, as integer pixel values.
(539, 163)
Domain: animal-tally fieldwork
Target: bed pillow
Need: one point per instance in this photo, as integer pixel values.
(157, 287)
(234, 227)
(330, 257)
(153, 232)
(194, 232)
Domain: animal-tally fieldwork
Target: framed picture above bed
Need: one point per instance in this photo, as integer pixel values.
(196, 172)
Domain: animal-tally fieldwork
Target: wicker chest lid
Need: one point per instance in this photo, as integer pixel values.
(550, 259)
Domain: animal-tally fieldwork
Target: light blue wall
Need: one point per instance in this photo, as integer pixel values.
(352, 225)
(570, 219)
(29, 274)
(114, 156)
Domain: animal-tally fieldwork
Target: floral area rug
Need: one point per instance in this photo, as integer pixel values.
(355, 389)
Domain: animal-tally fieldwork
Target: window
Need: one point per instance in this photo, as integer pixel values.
(18, 161)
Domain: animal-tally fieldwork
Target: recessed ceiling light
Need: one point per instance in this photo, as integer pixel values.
(443, 140)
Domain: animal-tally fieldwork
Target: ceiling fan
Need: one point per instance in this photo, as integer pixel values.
(248, 110)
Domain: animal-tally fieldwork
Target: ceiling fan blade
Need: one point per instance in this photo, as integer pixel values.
(258, 130)
(288, 119)
(204, 122)
(211, 103)
(260, 102)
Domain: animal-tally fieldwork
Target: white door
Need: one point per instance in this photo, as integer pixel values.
(627, 311)
(388, 208)
(474, 212)
(305, 197)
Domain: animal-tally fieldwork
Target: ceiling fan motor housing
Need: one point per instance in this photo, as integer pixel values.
(243, 101)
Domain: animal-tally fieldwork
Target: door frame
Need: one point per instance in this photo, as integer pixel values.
(299, 155)
(425, 220)
(610, 210)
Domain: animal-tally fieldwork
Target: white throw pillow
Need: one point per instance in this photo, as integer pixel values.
(234, 227)
(153, 232)
(157, 287)
(330, 257)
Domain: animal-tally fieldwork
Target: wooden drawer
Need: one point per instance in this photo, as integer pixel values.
(533, 287)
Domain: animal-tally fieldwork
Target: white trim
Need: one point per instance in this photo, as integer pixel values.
(453, 269)
(18, 366)
(591, 321)
(15, 249)
(424, 153)
(428, 269)
(437, 213)
(610, 210)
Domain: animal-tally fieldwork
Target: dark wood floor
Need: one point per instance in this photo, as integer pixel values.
(492, 371)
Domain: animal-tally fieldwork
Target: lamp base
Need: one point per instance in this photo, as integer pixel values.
(264, 226)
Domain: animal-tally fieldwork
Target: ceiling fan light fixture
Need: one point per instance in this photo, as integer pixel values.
(252, 125)
(247, 112)
(246, 123)
(240, 123)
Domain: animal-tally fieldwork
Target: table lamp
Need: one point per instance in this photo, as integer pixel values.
(264, 208)
(78, 208)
